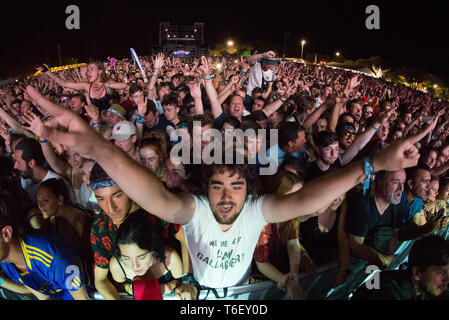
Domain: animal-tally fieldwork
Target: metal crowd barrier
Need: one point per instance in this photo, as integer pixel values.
(317, 287)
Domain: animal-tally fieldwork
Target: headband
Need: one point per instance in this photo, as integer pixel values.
(102, 184)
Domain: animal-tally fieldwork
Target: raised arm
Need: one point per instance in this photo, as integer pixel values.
(255, 57)
(195, 92)
(117, 85)
(364, 137)
(309, 199)
(62, 82)
(229, 89)
(13, 124)
(316, 114)
(217, 110)
(276, 104)
(158, 62)
(141, 112)
(59, 165)
(136, 181)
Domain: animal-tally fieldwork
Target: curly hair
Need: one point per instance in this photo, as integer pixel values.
(246, 171)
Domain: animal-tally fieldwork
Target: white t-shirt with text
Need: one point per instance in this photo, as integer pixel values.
(223, 259)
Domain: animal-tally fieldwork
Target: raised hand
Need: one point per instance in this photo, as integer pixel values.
(44, 69)
(4, 131)
(93, 112)
(355, 82)
(204, 67)
(400, 154)
(195, 89)
(158, 61)
(269, 54)
(142, 105)
(35, 124)
(282, 90)
(245, 65)
(235, 79)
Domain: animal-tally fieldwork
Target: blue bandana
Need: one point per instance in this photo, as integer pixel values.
(102, 184)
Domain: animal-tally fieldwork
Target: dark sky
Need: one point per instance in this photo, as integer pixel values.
(412, 34)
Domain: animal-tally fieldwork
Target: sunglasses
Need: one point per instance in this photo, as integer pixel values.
(368, 111)
(349, 134)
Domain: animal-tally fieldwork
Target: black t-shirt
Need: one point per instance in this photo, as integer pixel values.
(322, 247)
(313, 171)
(162, 124)
(363, 218)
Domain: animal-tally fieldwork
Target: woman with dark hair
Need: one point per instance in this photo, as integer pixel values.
(65, 220)
(98, 86)
(139, 253)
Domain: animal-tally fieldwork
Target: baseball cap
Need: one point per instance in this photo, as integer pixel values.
(123, 130)
(116, 109)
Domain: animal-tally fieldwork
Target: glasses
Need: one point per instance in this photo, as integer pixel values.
(369, 111)
(349, 134)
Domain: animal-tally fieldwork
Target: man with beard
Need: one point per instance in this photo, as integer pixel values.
(29, 161)
(368, 213)
(426, 276)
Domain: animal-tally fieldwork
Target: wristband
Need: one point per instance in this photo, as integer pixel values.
(2, 279)
(187, 278)
(377, 130)
(244, 72)
(139, 116)
(368, 170)
(43, 141)
(208, 78)
(168, 287)
(139, 121)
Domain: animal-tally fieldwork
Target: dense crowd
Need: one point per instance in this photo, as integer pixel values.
(116, 180)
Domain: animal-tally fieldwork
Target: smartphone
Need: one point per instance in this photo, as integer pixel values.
(426, 119)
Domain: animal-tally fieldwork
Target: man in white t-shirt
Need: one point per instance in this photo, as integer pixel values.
(223, 226)
(262, 72)
(29, 161)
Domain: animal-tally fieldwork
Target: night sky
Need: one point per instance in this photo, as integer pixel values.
(412, 34)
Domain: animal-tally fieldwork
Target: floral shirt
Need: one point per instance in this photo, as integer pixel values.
(269, 247)
(104, 235)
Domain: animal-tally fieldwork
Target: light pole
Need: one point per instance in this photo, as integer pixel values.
(59, 54)
(303, 42)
